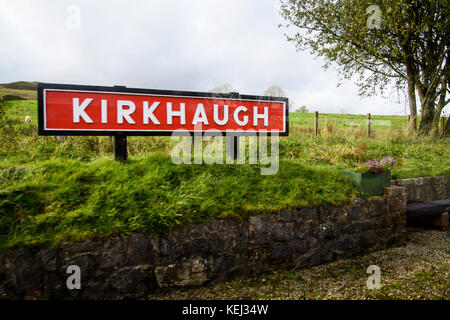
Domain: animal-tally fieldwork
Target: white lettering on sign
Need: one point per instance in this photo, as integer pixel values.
(125, 113)
(171, 113)
(236, 116)
(264, 116)
(78, 110)
(148, 112)
(104, 111)
(126, 108)
(200, 115)
(224, 121)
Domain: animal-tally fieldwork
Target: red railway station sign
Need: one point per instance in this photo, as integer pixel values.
(120, 111)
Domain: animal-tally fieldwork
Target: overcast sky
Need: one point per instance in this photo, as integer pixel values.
(190, 45)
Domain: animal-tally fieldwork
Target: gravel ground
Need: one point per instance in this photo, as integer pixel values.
(419, 270)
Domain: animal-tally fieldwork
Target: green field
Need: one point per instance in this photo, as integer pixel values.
(53, 191)
(306, 120)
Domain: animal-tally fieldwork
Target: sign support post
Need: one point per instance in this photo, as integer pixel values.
(232, 142)
(120, 148)
(232, 146)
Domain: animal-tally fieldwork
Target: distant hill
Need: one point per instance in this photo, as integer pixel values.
(18, 90)
(20, 85)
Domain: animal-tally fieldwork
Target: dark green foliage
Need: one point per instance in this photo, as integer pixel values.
(10, 97)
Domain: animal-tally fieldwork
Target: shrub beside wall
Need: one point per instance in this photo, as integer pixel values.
(215, 250)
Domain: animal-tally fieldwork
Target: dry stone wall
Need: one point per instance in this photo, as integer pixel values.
(215, 250)
(426, 188)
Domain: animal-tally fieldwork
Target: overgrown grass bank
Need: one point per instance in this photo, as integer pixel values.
(55, 190)
(69, 200)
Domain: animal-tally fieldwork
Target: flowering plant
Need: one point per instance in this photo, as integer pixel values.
(375, 167)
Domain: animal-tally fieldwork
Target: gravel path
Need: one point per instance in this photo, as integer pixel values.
(419, 270)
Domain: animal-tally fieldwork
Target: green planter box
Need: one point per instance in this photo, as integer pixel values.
(372, 185)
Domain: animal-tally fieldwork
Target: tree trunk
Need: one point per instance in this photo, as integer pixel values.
(428, 111)
(441, 104)
(412, 125)
(437, 116)
(446, 132)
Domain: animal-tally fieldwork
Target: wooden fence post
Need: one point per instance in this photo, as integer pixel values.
(368, 125)
(316, 123)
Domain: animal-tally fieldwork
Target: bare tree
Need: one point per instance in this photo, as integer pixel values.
(302, 109)
(224, 88)
(275, 91)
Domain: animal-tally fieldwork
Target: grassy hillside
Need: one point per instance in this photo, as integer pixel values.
(22, 89)
(20, 85)
(53, 191)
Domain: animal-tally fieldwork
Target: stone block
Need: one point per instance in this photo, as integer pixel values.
(344, 244)
(420, 193)
(87, 261)
(224, 262)
(375, 207)
(328, 232)
(418, 181)
(354, 228)
(411, 195)
(428, 193)
(438, 180)
(370, 225)
(168, 250)
(133, 281)
(307, 213)
(141, 249)
(439, 191)
(385, 222)
(288, 215)
(113, 254)
(427, 181)
(394, 191)
(396, 206)
(193, 272)
(367, 239)
(264, 229)
(196, 247)
(283, 232)
(306, 259)
(48, 259)
(356, 213)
